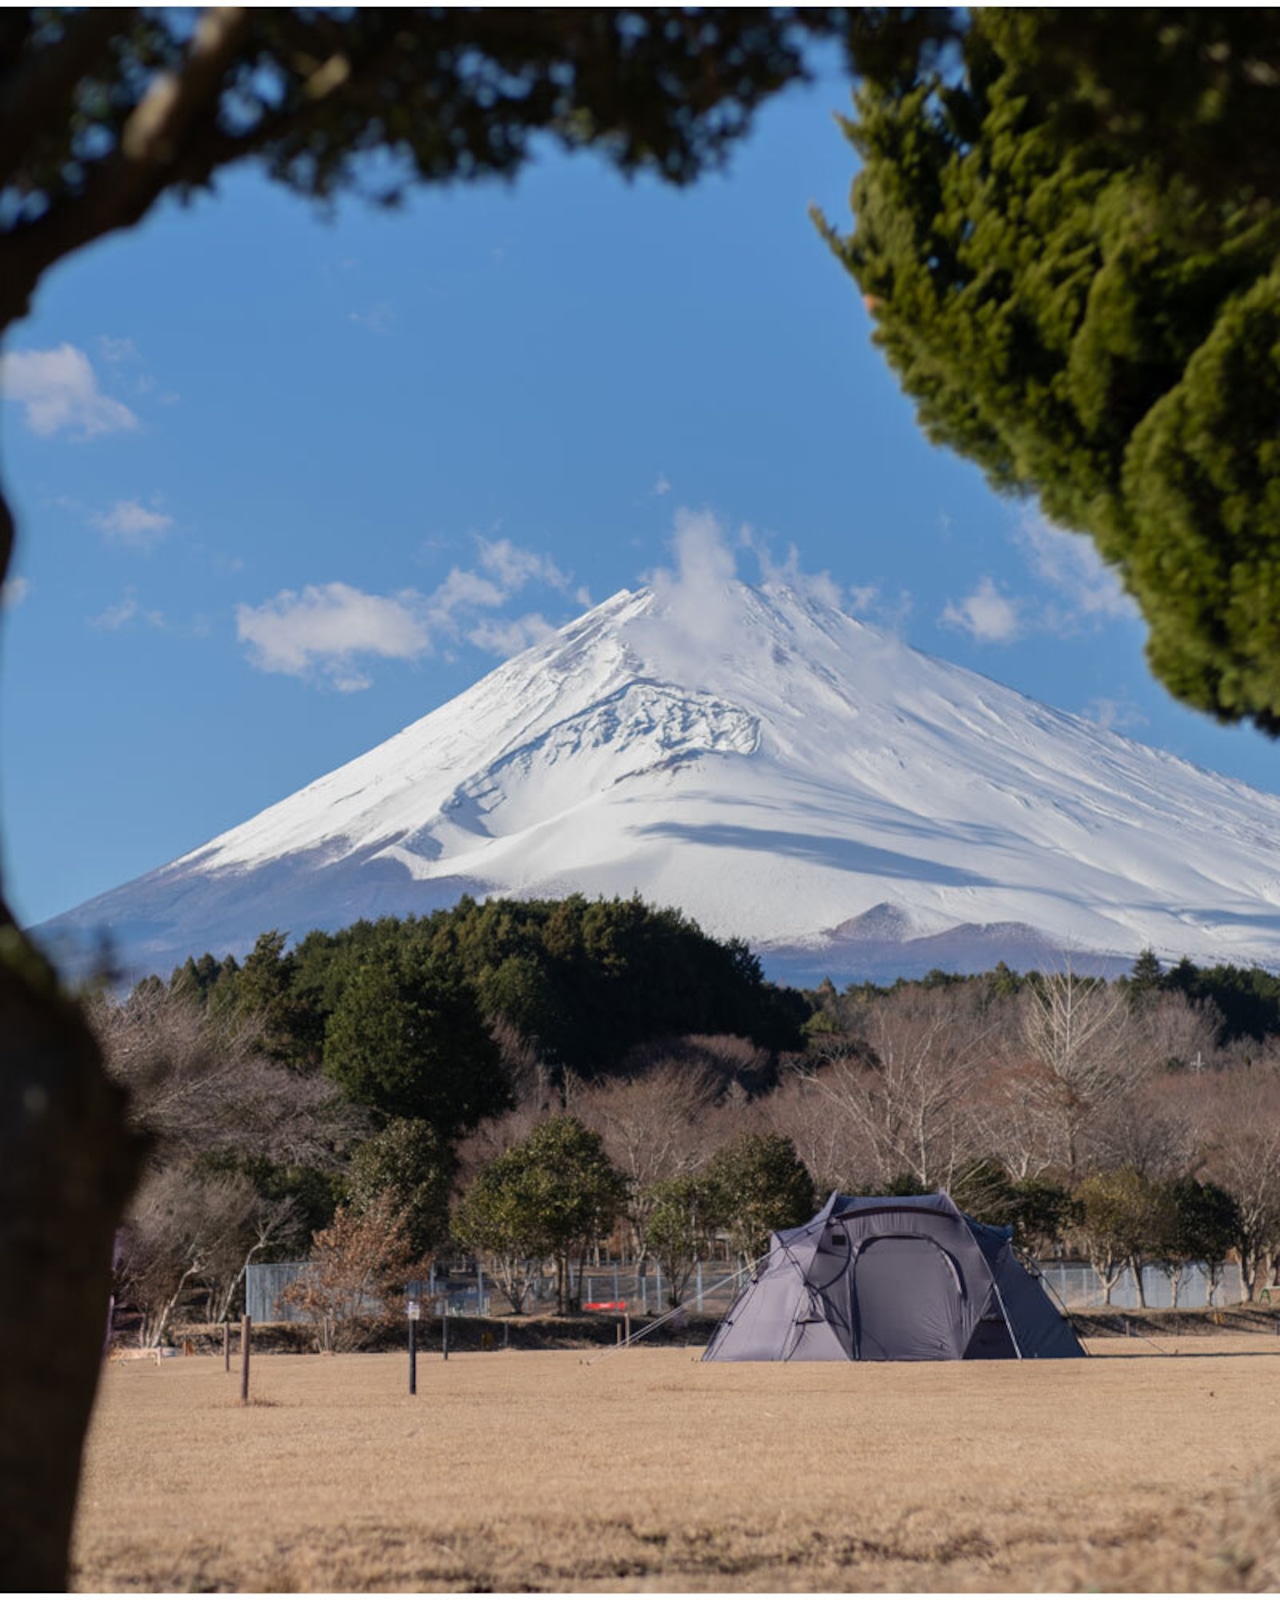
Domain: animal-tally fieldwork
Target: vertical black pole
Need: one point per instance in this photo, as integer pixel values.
(226, 1347)
(413, 1355)
(246, 1341)
(444, 1333)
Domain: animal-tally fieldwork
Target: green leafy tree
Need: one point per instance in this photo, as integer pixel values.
(1201, 1223)
(411, 1045)
(554, 1195)
(759, 1185)
(1071, 261)
(679, 1225)
(1040, 1213)
(409, 1165)
(1122, 1219)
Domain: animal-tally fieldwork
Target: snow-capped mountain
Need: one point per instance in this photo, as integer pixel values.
(776, 769)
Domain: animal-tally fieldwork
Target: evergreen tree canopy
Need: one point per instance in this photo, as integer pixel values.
(759, 1185)
(409, 1043)
(1067, 232)
(408, 1164)
(552, 1195)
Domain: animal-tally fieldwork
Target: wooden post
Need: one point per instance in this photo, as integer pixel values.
(444, 1333)
(246, 1342)
(226, 1347)
(626, 1319)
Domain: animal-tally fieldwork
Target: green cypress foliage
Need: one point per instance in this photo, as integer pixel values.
(1079, 302)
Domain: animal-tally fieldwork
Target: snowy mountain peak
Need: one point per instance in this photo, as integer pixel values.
(776, 768)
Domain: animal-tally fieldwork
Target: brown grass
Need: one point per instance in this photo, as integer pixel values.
(648, 1470)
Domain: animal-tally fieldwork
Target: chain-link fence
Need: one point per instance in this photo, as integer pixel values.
(463, 1289)
(1078, 1287)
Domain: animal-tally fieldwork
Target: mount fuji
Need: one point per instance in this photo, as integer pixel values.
(775, 768)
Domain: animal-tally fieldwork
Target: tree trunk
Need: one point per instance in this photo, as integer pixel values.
(68, 1162)
(1135, 1267)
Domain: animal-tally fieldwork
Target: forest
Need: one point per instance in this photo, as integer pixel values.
(526, 1081)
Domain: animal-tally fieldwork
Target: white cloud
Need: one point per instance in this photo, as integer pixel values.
(504, 570)
(116, 351)
(325, 630)
(13, 592)
(1070, 563)
(130, 522)
(124, 612)
(986, 615)
(501, 637)
(58, 390)
(788, 574)
(514, 567)
(661, 484)
(116, 616)
(1115, 715)
(326, 626)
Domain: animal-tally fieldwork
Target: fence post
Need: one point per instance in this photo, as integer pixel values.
(617, 1293)
(246, 1344)
(699, 1285)
(226, 1346)
(479, 1290)
(657, 1289)
(444, 1332)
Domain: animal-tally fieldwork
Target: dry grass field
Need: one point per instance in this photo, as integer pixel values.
(647, 1470)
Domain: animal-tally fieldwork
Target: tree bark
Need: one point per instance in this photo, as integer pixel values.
(68, 1162)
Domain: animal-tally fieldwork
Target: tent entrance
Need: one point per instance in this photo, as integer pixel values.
(909, 1300)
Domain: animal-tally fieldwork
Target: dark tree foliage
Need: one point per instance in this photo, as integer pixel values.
(585, 981)
(759, 1184)
(410, 1042)
(555, 1194)
(1202, 1221)
(1247, 997)
(409, 1164)
(1066, 232)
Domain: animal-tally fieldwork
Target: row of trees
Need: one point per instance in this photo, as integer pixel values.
(1088, 1115)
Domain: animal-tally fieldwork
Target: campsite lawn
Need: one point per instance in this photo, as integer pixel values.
(648, 1470)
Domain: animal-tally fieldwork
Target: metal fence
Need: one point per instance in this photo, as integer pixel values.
(1079, 1288)
(469, 1291)
(465, 1290)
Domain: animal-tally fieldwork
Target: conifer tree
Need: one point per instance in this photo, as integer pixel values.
(1067, 233)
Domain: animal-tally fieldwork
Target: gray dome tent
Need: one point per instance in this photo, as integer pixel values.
(892, 1279)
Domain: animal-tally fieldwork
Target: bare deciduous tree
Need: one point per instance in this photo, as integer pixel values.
(186, 1227)
(654, 1128)
(1084, 1050)
(912, 1094)
(829, 1137)
(1244, 1157)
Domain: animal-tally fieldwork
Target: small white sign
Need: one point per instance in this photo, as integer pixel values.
(414, 1308)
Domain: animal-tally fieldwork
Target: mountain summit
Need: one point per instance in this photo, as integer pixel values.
(776, 769)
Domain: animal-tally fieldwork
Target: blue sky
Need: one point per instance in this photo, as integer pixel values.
(286, 484)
